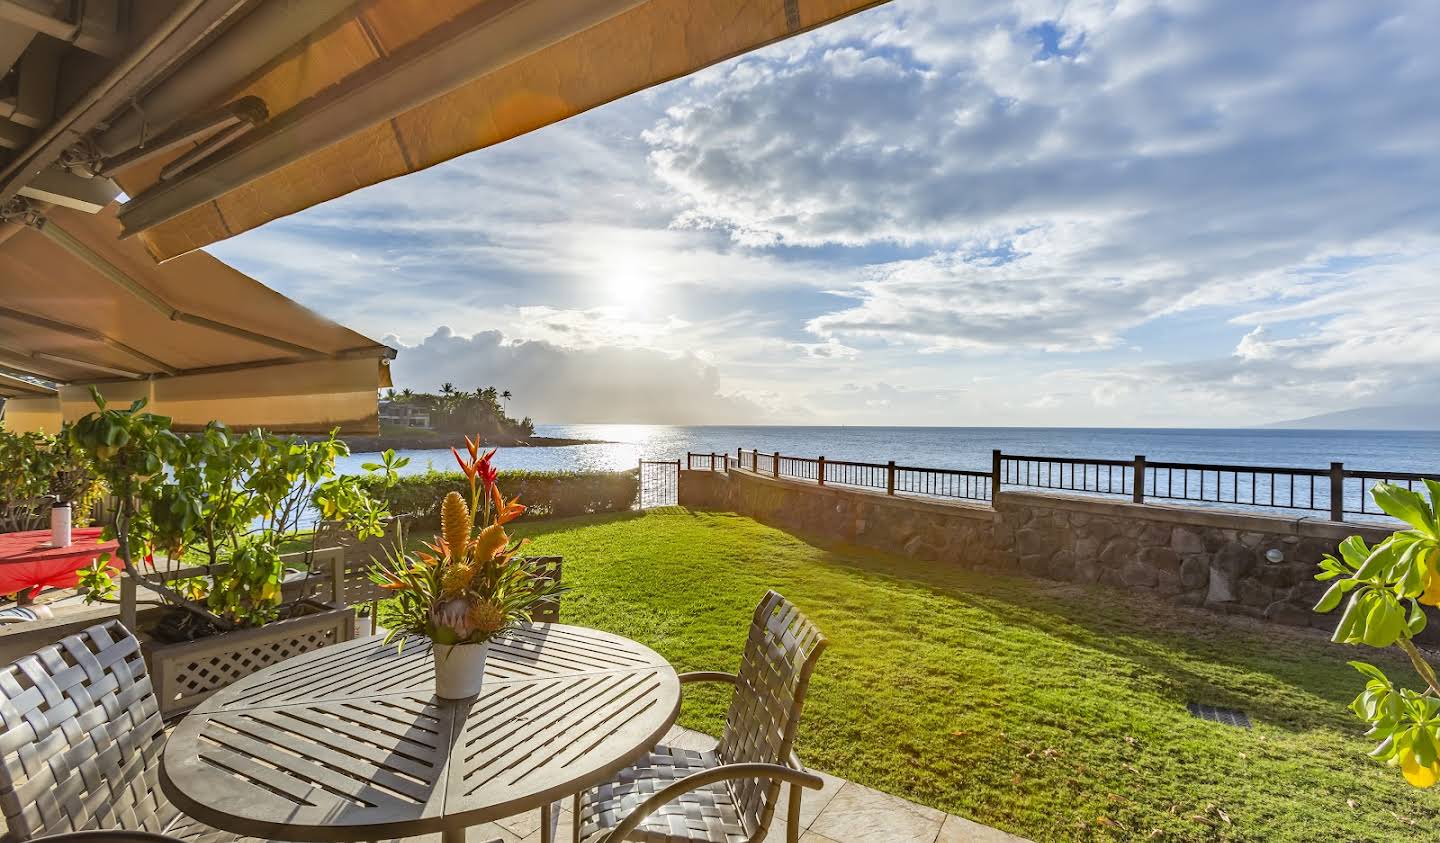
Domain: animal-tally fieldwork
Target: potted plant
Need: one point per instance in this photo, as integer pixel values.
(40, 469)
(201, 521)
(468, 587)
(1385, 589)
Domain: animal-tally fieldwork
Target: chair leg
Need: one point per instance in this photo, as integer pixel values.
(549, 821)
(792, 821)
(575, 818)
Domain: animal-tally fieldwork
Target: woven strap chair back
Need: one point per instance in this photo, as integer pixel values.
(547, 569)
(80, 738)
(360, 556)
(780, 654)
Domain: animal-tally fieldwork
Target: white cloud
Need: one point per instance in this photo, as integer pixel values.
(1160, 158)
(557, 384)
(1148, 211)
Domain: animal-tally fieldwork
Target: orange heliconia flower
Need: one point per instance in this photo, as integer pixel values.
(506, 512)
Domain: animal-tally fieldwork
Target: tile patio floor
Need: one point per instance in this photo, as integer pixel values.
(841, 812)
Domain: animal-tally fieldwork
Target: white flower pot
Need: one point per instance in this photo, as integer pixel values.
(459, 669)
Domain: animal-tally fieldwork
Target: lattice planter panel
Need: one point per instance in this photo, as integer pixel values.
(185, 674)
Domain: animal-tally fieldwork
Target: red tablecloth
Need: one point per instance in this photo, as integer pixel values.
(27, 559)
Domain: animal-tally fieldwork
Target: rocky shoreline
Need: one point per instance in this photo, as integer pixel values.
(429, 440)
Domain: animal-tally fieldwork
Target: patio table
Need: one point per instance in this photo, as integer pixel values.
(28, 561)
(351, 743)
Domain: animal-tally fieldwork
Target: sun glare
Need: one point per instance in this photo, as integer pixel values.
(626, 280)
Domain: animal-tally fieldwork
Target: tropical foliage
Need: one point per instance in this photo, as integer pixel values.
(457, 411)
(469, 585)
(38, 469)
(551, 494)
(1384, 589)
(227, 499)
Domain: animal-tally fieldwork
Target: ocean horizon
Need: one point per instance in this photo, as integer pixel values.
(957, 447)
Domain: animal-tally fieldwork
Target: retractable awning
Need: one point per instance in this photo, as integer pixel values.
(237, 112)
(196, 338)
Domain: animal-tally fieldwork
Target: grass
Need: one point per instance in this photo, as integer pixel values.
(1053, 711)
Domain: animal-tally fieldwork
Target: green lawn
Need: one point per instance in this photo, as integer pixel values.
(1053, 711)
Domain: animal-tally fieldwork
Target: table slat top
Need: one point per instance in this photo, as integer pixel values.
(350, 742)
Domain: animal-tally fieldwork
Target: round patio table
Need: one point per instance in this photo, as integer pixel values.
(28, 561)
(350, 742)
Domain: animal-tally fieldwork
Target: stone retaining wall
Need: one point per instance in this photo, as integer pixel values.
(1219, 559)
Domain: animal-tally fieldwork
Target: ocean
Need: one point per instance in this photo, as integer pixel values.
(959, 447)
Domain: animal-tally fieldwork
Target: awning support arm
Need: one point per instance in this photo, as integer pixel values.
(76, 247)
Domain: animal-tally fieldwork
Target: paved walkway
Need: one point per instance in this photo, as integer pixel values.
(841, 812)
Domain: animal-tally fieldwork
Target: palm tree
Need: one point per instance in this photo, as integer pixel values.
(447, 388)
(506, 396)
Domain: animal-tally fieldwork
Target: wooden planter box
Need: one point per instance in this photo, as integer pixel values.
(185, 674)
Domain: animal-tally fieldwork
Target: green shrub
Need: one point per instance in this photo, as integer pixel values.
(547, 493)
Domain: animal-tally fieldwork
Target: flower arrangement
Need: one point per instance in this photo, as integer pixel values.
(468, 586)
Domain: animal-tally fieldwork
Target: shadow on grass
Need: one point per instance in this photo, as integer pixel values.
(1313, 685)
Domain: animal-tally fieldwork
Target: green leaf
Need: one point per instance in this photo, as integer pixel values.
(1383, 623)
(1353, 617)
(1370, 670)
(1331, 598)
(1416, 623)
(1354, 551)
(1382, 558)
(1404, 504)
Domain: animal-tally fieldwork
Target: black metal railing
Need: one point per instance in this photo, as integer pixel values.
(888, 477)
(1336, 491)
(1357, 485)
(1106, 477)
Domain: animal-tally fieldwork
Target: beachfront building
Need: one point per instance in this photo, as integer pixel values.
(402, 414)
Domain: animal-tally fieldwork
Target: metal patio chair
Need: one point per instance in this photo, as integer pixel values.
(727, 795)
(80, 745)
(549, 569)
(360, 556)
(80, 742)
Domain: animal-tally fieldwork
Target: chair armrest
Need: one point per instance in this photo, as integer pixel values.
(709, 676)
(724, 772)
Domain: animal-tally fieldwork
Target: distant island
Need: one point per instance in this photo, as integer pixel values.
(411, 420)
(1393, 417)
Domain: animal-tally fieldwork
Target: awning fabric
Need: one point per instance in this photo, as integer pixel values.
(651, 42)
(196, 338)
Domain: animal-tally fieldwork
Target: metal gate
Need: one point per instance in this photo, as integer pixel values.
(659, 483)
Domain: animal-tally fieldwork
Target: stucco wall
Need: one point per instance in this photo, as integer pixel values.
(1193, 556)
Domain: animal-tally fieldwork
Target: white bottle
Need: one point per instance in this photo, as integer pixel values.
(60, 524)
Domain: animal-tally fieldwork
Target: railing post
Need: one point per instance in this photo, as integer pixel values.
(755, 460)
(689, 461)
(820, 472)
(712, 460)
(777, 465)
(890, 478)
(996, 461)
(1138, 495)
(1337, 491)
(739, 458)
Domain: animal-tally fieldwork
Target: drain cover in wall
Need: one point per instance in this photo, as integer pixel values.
(1228, 716)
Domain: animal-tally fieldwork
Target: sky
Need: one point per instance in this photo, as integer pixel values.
(1132, 213)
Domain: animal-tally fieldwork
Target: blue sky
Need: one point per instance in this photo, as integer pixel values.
(936, 212)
